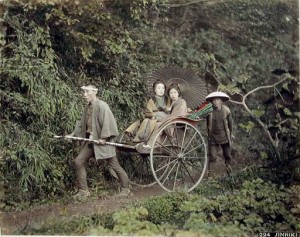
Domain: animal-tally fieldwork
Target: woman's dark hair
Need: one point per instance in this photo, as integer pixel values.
(158, 82)
(176, 87)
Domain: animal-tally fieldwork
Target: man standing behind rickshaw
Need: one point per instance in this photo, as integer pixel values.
(219, 126)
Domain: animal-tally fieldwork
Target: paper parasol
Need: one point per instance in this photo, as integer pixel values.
(193, 88)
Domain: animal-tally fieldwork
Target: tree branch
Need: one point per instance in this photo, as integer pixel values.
(265, 87)
(236, 102)
(273, 141)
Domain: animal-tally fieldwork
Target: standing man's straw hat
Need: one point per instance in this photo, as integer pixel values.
(217, 94)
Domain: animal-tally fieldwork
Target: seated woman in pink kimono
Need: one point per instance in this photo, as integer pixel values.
(178, 106)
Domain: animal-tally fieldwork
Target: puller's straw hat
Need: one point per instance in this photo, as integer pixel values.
(217, 94)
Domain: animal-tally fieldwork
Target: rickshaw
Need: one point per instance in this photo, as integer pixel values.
(177, 159)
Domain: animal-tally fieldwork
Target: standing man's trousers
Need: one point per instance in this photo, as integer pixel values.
(87, 152)
(213, 153)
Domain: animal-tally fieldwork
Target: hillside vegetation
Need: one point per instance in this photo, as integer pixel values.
(50, 48)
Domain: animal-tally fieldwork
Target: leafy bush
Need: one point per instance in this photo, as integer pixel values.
(257, 207)
(169, 203)
(75, 225)
(133, 221)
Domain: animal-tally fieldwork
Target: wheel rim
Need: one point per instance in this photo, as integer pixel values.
(136, 165)
(178, 157)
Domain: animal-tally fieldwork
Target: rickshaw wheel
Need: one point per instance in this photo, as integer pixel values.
(178, 156)
(136, 165)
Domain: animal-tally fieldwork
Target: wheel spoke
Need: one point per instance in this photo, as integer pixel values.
(193, 149)
(183, 138)
(165, 156)
(177, 139)
(175, 178)
(166, 165)
(190, 141)
(182, 175)
(195, 166)
(188, 172)
(162, 146)
(170, 172)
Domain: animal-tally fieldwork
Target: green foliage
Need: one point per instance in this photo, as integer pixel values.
(257, 113)
(76, 225)
(169, 203)
(133, 221)
(141, 12)
(30, 114)
(263, 155)
(295, 167)
(257, 207)
(32, 173)
(247, 127)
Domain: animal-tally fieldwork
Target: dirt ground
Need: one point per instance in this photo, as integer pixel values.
(13, 222)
